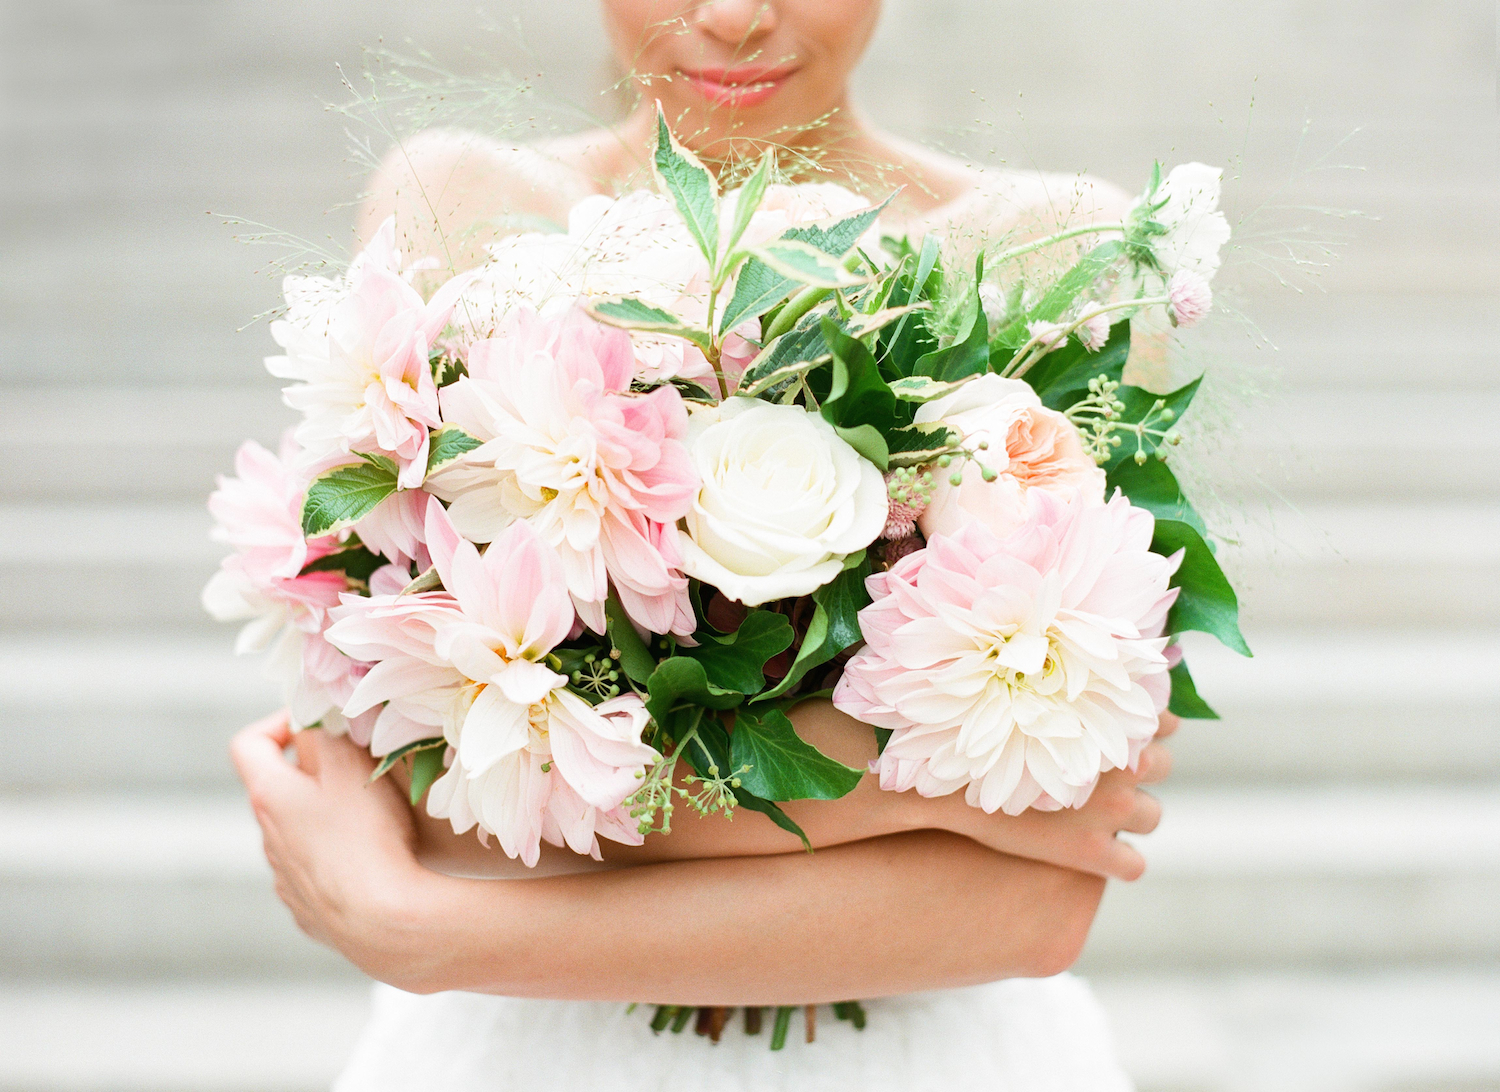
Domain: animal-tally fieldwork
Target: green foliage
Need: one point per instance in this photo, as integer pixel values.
(802, 263)
(387, 761)
(858, 395)
(676, 687)
(691, 186)
(1152, 415)
(869, 441)
(710, 752)
(630, 313)
(426, 767)
(1206, 602)
(734, 661)
(834, 625)
(969, 352)
(354, 561)
(1153, 486)
(635, 659)
(447, 444)
(798, 350)
(1061, 378)
(749, 198)
(1185, 701)
(923, 388)
(341, 496)
(782, 765)
(1061, 296)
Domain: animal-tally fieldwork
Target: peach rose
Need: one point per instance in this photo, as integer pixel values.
(1030, 447)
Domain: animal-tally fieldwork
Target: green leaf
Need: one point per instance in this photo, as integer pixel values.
(387, 761)
(757, 289)
(868, 441)
(837, 236)
(347, 493)
(749, 197)
(426, 767)
(690, 185)
(734, 662)
(746, 799)
(800, 349)
(1154, 487)
(629, 313)
(447, 444)
(678, 684)
(1063, 294)
(858, 394)
(710, 749)
(782, 765)
(1206, 602)
(923, 388)
(1061, 378)
(1185, 701)
(969, 354)
(635, 659)
(803, 263)
(1140, 404)
(834, 625)
(356, 562)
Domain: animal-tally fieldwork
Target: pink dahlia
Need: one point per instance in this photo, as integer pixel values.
(530, 760)
(1017, 668)
(601, 474)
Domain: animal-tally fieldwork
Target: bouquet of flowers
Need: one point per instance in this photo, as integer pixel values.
(597, 514)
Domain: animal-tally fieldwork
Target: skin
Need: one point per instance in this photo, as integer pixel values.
(889, 902)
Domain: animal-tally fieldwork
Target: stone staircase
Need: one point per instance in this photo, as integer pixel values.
(1319, 911)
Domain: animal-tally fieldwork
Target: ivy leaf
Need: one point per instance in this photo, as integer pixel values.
(1061, 378)
(635, 659)
(782, 765)
(743, 798)
(734, 662)
(858, 394)
(834, 625)
(1206, 601)
(1141, 404)
(426, 767)
(346, 494)
(1185, 701)
(1153, 486)
(711, 749)
(678, 684)
(690, 185)
(447, 444)
(629, 313)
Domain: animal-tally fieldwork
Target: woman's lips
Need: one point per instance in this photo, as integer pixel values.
(738, 86)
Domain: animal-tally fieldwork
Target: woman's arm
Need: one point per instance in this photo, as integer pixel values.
(1082, 839)
(896, 914)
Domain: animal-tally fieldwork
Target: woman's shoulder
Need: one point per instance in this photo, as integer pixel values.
(994, 202)
(453, 191)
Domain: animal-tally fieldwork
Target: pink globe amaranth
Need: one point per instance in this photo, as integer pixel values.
(1190, 296)
(1021, 668)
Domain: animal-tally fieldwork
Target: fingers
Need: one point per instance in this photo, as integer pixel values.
(1123, 861)
(256, 751)
(333, 759)
(1166, 724)
(1144, 815)
(1154, 764)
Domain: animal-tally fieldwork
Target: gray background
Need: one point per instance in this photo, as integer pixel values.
(1320, 910)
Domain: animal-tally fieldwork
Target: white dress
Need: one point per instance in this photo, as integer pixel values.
(1020, 1035)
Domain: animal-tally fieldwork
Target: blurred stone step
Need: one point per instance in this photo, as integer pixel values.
(1308, 878)
(249, 1036)
(95, 885)
(146, 712)
(89, 444)
(94, 568)
(1369, 1031)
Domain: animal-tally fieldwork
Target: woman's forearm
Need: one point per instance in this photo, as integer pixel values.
(891, 915)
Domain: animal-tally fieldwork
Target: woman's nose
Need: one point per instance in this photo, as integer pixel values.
(736, 21)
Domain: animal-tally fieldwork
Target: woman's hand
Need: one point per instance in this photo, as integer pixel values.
(342, 848)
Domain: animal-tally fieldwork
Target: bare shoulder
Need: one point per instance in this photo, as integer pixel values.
(454, 191)
(992, 203)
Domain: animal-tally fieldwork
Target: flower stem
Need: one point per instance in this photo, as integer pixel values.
(799, 305)
(1061, 236)
(1011, 371)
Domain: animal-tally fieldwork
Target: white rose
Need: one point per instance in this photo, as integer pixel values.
(784, 500)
